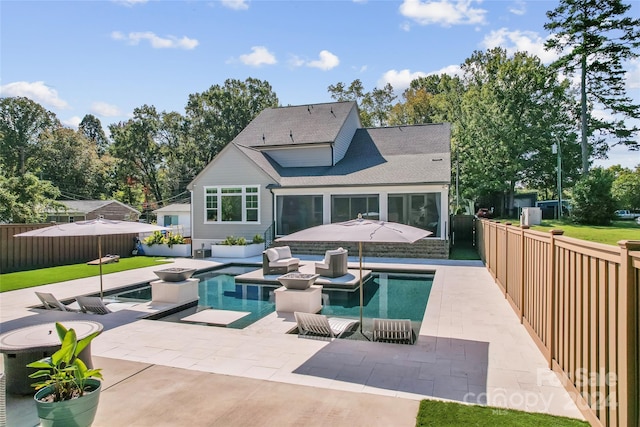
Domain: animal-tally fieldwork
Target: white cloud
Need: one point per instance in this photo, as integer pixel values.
(259, 56)
(452, 70)
(443, 12)
(399, 80)
(519, 41)
(105, 110)
(235, 4)
(130, 3)
(157, 42)
(405, 26)
(72, 122)
(36, 91)
(518, 8)
(325, 62)
(296, 61)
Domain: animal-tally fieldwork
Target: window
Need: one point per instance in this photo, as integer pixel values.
(419, 210)
(297, 213)
(344, 208)
(232, 204)
(170, 220)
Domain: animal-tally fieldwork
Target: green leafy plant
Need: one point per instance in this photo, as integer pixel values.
(258, 239)
(157, 238)
(234, 241)
(64, 371)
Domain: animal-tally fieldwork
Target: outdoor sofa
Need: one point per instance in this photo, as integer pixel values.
(334, 263)
(278, 260)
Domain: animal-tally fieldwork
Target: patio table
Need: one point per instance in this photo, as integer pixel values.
(25, 345)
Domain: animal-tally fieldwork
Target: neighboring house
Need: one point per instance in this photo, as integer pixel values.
(177, 216)
(296, 167)
(80, 210)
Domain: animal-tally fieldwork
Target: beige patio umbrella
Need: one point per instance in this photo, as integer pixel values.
(359, 230)
(95, 227)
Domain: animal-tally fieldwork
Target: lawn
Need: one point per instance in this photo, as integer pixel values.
(442, 414)
(43, 276)
(610, 235)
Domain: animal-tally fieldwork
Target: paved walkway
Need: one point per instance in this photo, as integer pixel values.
(471, 348)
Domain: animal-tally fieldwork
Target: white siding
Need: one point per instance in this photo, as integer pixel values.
(346, 135)
(230, 168)
(302, 156)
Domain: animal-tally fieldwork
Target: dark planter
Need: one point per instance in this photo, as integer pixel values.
(175, 274)
(75, 412)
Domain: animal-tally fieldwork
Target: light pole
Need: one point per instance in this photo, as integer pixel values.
(555, 149)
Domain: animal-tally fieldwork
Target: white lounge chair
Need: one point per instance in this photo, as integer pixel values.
(93, 305)
(321, 325)
(393, 330)
(52, 303)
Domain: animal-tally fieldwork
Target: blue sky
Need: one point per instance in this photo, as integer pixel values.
(109, 57)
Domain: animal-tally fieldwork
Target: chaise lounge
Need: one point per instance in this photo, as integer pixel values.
(334, 263)
(393, 330)
(278, 260)
(50, 302)
(322, 326)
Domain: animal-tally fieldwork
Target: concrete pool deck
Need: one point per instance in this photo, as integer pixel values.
(471, 348)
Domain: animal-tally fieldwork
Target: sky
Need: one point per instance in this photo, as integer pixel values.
(108, 57)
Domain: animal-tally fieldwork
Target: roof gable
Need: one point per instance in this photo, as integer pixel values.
(297, 125)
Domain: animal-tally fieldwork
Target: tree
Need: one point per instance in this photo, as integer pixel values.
(91, 128)
(594, 38)
(26, 199)
(135, 144)
(22, 121)
(512, 110)
(593, 203)
(71, 163)
(215, 117)
(626, 188)
(374, 106)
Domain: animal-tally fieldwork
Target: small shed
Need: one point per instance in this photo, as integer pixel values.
(177, 216)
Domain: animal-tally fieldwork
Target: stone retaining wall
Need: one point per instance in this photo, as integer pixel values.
(428, 248)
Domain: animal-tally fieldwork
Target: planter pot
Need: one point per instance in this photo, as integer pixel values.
(175, 274)
(237, 251)
(164, 250)
(298, 281)
(75, 412)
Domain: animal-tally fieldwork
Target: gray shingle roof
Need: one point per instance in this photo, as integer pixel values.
(303, 124)
(86, 206)
(378, 156)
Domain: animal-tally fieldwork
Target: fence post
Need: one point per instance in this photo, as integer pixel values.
(522, 276)
(551, 296)
(627, 374)
(506, 259)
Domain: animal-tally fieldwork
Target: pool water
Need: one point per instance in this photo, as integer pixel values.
(386, 295)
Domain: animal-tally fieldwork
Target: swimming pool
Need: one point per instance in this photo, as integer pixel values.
(386, 295)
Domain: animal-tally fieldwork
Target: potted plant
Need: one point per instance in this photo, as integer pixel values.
(168, 244)
(68, 392)
(238, 247)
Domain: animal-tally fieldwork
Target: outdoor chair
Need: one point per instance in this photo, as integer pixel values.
(93, 305)
(323, 326)
(334, 263)
(52, 303)
(278, 260)
(393, 330)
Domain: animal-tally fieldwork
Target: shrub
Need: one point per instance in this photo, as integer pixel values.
(234, 241)
(157, 238)
(258, 239)
(593, 202)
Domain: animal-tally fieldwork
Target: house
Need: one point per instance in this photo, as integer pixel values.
(299, 166)
(177, 216)
(80, 210)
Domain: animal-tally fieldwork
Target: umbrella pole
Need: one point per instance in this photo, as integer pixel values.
(361, 291)
(100, 262)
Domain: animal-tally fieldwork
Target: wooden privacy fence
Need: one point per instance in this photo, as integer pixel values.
(580, 302)
(25, 253)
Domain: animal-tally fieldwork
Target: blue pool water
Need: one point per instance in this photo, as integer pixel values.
(386, 295)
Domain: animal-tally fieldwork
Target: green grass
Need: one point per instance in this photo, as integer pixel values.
(443, 414)
(43, 276)
(464, 253)
(610, 235)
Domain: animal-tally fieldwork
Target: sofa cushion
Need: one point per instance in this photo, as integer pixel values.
(283, 252)
(272, 254)
(284, 262)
